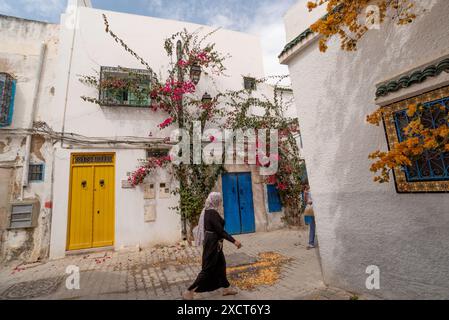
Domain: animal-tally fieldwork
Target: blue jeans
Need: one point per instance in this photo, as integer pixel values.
(312, 232)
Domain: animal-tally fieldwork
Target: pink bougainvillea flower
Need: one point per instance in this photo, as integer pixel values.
(271, 179)
(183, 63)
(175, 89)
(153, 94)
(166, 123)
(282, 186)
(203, 57)
(138, 176)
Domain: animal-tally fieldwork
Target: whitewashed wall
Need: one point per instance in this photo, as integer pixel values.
(361, 223)
(131, 230)
(93, 48)
(20, 48)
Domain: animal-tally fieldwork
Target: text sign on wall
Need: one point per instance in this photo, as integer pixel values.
(126, 184)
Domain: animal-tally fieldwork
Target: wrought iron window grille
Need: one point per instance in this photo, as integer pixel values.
(432, 166)
(124, 97)
(36, 172)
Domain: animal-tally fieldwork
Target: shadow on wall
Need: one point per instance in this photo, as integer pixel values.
(406, 235)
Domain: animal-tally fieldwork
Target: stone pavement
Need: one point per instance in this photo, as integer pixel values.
(164, 273)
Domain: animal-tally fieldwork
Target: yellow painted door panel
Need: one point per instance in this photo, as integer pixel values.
(103, 219)
(81, 205)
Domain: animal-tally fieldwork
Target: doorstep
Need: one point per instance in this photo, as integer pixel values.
(86, 251)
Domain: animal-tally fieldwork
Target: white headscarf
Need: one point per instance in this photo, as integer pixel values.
(213, 201)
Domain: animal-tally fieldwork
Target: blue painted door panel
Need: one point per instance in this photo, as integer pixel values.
(238, 203)
(246, 203)
(274, 201)
(231, 204)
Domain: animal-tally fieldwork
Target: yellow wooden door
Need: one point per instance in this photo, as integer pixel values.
(91, 213)
(103, 222)
(80, 231)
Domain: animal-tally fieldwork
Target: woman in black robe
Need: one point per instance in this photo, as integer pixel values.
(213, 273)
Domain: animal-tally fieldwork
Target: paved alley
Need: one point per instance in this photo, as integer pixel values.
(164, 273)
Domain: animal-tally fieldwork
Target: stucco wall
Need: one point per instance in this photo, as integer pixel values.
(361, 223)
(131, 230)
(296, 21)
(19, 56)
(93, 48)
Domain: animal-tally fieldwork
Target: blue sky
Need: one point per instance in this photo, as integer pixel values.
(260, 17)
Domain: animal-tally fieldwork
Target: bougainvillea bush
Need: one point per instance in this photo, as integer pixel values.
(176, 96)
(290, 176)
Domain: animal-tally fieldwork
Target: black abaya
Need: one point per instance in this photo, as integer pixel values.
(213, 273)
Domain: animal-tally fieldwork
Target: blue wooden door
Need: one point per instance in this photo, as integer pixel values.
(231, 203)
(238, 203)
(274, 200)
(246, 203)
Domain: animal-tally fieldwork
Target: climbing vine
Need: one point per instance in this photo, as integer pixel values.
(290, 176)
(349, 19)
(176, 96)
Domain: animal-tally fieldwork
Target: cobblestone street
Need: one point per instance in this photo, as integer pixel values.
(164, 273)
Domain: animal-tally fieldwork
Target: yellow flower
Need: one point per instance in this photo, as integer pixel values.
(444, 132)
(375, 118)
(412, 110)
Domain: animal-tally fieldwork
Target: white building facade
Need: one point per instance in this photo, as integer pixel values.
(142, 216)
(85, 151)
(402, 227)
(28, 55)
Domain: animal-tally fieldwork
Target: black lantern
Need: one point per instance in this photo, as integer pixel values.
(206, 98)
(195, 73)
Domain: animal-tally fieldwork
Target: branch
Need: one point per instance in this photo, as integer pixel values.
(124, 45)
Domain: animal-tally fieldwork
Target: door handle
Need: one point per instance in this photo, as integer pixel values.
(101, 183)
(84, 184)
(98, 212)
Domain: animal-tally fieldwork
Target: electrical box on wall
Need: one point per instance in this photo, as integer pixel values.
(149, 191)
(150, 213)
(164, 190)
(24, 214)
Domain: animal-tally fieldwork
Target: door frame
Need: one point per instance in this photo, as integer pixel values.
(93, 164)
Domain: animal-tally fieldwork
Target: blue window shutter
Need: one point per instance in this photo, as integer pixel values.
(274, 200)
(11, 104)
(7, 92)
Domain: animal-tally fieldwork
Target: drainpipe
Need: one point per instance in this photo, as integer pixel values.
(26, 162)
